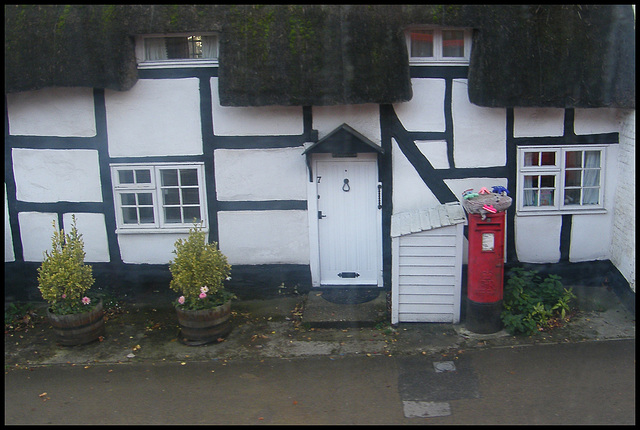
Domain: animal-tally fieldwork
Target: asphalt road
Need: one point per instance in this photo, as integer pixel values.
(569, 383)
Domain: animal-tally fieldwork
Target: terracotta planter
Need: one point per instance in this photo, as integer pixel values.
(204, 326)
(78, 329)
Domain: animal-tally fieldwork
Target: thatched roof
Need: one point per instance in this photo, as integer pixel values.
(523, 55)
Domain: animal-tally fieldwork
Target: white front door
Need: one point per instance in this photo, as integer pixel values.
(349, 221)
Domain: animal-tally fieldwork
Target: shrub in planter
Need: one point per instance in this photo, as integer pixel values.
(198, 272)
(64, 281)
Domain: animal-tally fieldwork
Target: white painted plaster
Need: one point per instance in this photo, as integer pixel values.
(594, 121)
(36, 230)
(410, 193)
(64, 112)
(538, 122)
(93, 229)
(435, 151)
(254, 120)
(479, 132)
(155, 117)
(364, 118)
(425, 111)
(590, 237)
(53, 175)
(458, 186)
(260, 174)
(264, 237)
(623, 243)
(8, 238)
(538, 238)
(156, 248)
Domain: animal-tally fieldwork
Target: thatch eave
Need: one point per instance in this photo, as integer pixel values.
(523, 55)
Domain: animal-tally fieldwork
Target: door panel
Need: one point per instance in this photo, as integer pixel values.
(348, 222)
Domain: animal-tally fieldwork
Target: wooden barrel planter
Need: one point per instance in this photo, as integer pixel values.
(78, 329)
(204, 326)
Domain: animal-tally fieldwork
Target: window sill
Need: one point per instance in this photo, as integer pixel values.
(598, 211)
(175, 230)
(177, 64)
(437, 63)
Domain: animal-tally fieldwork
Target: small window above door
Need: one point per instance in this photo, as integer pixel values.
(177, 50)
(438, 46)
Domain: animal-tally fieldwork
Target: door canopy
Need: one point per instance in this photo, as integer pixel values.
(344, 141)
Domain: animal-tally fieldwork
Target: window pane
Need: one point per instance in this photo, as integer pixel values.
(171, 196)
(177, 47)
(145, 199)
(452, 43)
(146, 216)
(531, 198)
(591, 177)
(546, 197)
(190, 196)
(548, 159)
(143, 176)
(191, 213)
(195, 46)
(169, 177)
(591, 196)
(128, 199)
(572, 197)
(592, 159)
(130, 215)
(172, 215)
(422, 43)
(531, 181)
(154, 49)
(573, 159)
(548, 181)
(209, 47)
(125, 176)
(188, 177)
(531, 158)
(573, 178)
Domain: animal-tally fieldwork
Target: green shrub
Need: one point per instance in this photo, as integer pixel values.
(199, 271)
(530, 302)
(63, 278)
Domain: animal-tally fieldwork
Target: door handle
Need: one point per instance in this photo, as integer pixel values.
(320, 215)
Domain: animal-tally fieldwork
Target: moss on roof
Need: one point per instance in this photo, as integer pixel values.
(523, 55)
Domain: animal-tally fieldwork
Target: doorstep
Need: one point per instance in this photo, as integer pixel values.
(343, 308)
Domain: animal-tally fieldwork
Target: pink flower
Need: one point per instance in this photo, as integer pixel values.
(181, 300)
(204, 289)
(64, 296)
(86, 300)
(202, 295)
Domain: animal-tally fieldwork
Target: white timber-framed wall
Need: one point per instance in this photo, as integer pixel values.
(61, 143)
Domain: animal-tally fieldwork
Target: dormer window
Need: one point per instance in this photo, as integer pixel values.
(177, 50)
(439, 45)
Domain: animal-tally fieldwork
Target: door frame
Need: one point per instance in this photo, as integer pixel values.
(312, 210)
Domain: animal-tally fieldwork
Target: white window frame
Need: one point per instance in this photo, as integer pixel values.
(437, 58)
(558, 171)
(143, 63)
(159, 225)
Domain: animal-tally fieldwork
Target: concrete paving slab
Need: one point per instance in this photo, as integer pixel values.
(426, 409)
(418, 380)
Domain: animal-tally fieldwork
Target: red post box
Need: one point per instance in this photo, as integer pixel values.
(485, 272)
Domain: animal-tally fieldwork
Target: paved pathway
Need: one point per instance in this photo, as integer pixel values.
(575, 383)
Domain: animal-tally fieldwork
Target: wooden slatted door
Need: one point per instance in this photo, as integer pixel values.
(349, 222)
